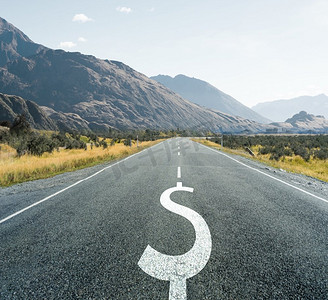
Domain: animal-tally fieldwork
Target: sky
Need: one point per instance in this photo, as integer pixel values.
(253, 50)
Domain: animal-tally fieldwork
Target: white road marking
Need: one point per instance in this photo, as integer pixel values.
(74, 184)
(272, 177)
(177, 269)
(178, 147)
(179, 172)
(179, 153)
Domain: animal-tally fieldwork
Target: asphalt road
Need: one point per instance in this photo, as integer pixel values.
(237, 233)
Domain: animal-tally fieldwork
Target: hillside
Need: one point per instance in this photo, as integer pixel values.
(15, 44)
(11, 106)
(303, 122)
(280, 110)
(89, 93)
(204, 94)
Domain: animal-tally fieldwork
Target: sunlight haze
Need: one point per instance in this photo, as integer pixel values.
(253, 50)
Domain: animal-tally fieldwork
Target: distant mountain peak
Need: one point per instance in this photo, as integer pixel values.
(280, 110)
(206, 95)
(303, 116)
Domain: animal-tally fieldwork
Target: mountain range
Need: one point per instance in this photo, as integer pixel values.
(280, 110)
(56, 89)
(84, 92)
(205, 94)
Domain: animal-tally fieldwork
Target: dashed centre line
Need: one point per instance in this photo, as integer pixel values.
(179, 172)
(178, 153)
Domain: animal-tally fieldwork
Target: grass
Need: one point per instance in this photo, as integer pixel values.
(15, 169)
(314, 167)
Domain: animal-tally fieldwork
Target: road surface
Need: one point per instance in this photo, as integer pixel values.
(214, 228)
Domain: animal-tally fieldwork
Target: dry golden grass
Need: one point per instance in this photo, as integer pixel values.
(15, 169)
(314, 167)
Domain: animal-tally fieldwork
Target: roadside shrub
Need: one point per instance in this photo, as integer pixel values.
(38, 144)
(280, 145)
(4, 136)
(21, 147)
(103, 143)
(34, 144)
(265, 150)
(288, 152)
(127, 142)
(321, 154)
(75, 144)
(20, 126)
(60, 139)
(275, 156)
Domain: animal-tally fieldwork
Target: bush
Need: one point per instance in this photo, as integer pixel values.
(127, 142)
(34, 144)
(280, 146)
(20, 126)
(38, 144)
(75, 144)
(321, 154)
(265, 150)
(103, 143)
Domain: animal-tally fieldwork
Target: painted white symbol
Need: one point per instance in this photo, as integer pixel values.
(177, 269)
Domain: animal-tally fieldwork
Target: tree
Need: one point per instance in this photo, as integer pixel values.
(20, 126)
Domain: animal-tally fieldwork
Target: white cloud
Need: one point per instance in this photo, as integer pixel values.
(151, 9)
(82, 39)
(124, 9)
(81, 18)
(67, 45)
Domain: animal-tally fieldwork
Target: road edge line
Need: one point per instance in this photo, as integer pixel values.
(268, 175)
(72, 185)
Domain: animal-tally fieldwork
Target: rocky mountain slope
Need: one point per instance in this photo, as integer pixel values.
(15, 44)
(82, 91)
(280, 110)
(303, 122)
(11, 106)
(205, 94)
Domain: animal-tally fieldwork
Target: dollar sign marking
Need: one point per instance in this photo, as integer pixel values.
(178, 268)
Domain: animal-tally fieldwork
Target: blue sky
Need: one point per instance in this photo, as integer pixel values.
(254, 50)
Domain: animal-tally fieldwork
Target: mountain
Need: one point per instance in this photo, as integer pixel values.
(305, 121)
(280, 110)
(302, 122)
(204, 94)
(107, 94)
(15, 44)
(90, 93)
(11, 106)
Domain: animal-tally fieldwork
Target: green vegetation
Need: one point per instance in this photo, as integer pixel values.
(306, 146)
(25, 140)
(27, 154)
(21, 137)
(304, 154)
